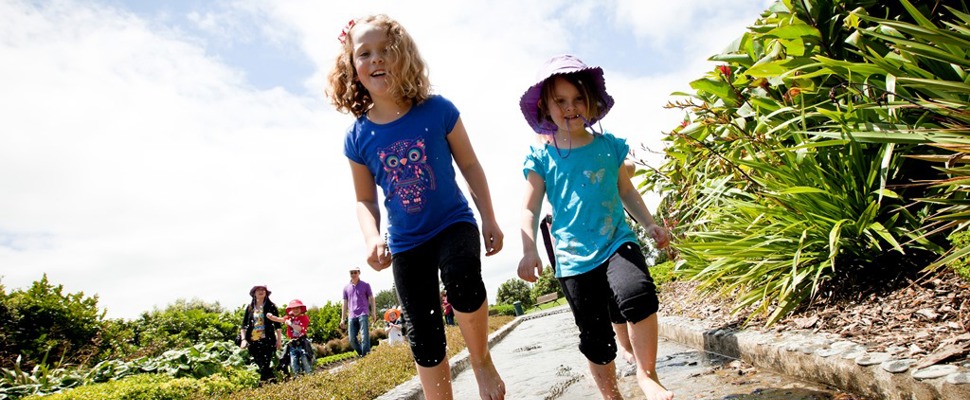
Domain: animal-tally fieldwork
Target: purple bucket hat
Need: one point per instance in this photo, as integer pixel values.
(560, 65)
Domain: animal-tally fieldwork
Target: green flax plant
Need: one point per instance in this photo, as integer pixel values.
(803, 158)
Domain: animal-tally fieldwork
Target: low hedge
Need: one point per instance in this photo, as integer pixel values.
(162, 387)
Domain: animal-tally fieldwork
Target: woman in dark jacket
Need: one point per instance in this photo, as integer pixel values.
(259, 333)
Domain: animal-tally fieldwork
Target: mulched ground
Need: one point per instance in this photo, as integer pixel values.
(914, 315)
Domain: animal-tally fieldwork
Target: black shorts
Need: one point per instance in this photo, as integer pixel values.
(455, 252)
(617, 291)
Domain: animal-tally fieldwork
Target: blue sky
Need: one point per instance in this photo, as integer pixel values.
(152, 151)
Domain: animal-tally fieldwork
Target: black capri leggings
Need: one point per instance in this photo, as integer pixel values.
(456, 253)
(617, 291)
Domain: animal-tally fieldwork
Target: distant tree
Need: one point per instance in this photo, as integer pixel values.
(514, 290)
(547, 283)
(45, 321)
(386, 299)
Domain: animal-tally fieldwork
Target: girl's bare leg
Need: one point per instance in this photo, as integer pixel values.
(605, 378)
(643, 336)
(436, 381)
(474, 328)
(623, 340)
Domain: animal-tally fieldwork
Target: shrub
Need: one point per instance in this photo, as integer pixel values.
(370, 377)
(961, 265)
(43, 321)
(514, 290)
(547, 283)
(503, 309)
(325, 361)
(662, 273)
(160, 387)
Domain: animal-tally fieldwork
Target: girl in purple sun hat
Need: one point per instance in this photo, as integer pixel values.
(599, 263)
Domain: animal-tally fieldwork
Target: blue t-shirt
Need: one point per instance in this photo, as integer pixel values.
(411, 160)
(588, 222)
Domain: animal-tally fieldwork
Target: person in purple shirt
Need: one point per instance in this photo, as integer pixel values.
(355, 314)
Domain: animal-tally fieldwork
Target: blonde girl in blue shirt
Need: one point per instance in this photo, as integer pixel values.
(405, 141)
(599, 263)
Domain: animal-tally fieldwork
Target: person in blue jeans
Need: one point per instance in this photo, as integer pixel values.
(355, 315)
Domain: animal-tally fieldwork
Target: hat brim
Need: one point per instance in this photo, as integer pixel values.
(529, 102)
(252, 292)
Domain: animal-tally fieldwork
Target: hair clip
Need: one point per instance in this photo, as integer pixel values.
(343, 34)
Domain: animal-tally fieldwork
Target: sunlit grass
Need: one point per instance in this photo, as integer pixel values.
(366, 378)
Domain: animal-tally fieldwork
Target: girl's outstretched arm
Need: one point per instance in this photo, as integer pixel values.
(275, 318)
(530, 267)
(471, 169)
(633, 203)
(369, 217)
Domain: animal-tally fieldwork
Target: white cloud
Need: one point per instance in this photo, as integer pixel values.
(137, 165)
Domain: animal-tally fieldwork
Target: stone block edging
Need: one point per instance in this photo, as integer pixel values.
(824, 359)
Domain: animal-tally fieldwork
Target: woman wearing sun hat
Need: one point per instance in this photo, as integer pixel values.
(598, 259)
(260, 334)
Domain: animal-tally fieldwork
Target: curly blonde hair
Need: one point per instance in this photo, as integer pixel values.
(406, 70)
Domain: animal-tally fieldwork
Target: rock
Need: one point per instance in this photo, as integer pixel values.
(959, 378)
(897, 366)
(873, 359)
(854, 353)
(935, 371)
(828, 352)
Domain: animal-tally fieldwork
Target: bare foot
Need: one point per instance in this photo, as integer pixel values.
(651, 387)
(627, 356)
(490, 384)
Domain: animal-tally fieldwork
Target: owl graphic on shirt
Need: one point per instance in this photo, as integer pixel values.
(406, 164)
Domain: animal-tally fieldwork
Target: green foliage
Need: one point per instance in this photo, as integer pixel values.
(181, 324)
(545, 284)
(961, 265)
(199, 361)
(662, 273)
(159, 387)
(324, 322)
(505, 309)
(43, 321)
(336, 358)
(386, 299)
(514, 290)
(382, 370)
(797, 158)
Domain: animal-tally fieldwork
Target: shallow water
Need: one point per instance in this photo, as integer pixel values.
(540, 359)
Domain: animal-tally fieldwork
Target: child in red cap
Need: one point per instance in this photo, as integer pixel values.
(299, 349)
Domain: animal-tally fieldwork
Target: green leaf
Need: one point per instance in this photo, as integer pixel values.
(795, 31)
(721, 89)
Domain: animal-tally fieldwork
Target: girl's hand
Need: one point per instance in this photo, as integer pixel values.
(493, 237)
(530, 267)
(659, 235)
(378, 256)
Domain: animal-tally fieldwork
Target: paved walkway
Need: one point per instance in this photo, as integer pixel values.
(538, 358)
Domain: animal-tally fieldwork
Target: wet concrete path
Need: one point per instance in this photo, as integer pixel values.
(539, 359)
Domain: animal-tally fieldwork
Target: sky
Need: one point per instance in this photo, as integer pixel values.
(160, 150)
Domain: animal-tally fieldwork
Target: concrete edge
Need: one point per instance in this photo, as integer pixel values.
(411, 390)
(797, 354)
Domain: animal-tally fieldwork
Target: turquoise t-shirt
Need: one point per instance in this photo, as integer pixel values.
(588, 221)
